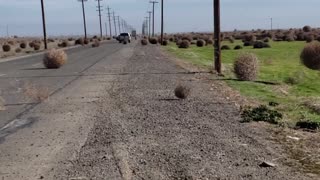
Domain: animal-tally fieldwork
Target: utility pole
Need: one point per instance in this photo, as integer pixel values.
(122, 24)
(109, 16)
(217, 37)
(162, 24)
(271, 24)
(149, 23)
(147, 26)
(44, 26)
(105, 25)
(115, 25)
(84, 18)
(99, 9)
(119, 24)
(153, 4)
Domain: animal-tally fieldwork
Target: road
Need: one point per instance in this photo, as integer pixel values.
(111, 114)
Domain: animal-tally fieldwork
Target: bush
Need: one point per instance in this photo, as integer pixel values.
(6, 48)
(200, 43)
(36, 46)
(86, 41)
(182, 92)
(18, 50)
(309, 38)
(266, 40)
(261, 113)
(225, 47)
(260, 44)
(153, 41)
(31, 44)
(64, 44)
(165, 42)
(231, 39)
(23, 45)
(79, 41)
(209, 42)
(237, 47)
(247, 43)
(246, 67)
(96, 43)
(307, 124)
(144, 42)
(54, 59)
(310, 56)
(307, 29)
(184, 44)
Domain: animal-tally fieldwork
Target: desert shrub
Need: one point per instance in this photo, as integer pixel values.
(171, 39)
(231, 39)
(31, 44)
(209, 42)
(108, 38)
(18, 50)
(266, 40)
(54, 59)
(309, 38)
(200, 43)
(301, 36)
(260, 44)
(96, 43)
(70, 39)
(307, 124)
(225, 47)
(144, 42)
(261, 113)
(79, 41)
(165, 42)
(36, 46)
(6, 48)
(51, 40)
(178, 41)
(310, 56)
(153, 41)
(184, 44)
(237, 47)
(23, 45)
(246, 67)
(307, 29)
(64, 44)
(86, 41)
(247, 43)
(188, 38)
(295, 78)
(182, 92)
(12, 43)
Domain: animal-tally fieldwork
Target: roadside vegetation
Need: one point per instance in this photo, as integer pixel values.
(264, 66)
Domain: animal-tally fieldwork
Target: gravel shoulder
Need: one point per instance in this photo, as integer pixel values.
(141, 131)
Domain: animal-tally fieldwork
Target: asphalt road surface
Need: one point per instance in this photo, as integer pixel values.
(111, 114)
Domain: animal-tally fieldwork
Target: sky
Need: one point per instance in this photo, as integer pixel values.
(64, 17)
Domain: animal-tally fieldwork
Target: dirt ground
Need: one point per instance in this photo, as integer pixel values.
(142, 131)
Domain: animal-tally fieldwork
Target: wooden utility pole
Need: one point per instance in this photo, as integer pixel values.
(84, 19)
(109, 16)
(162, 24)
(99, 9)
(44, 26)
(115, 24)
(149, 23)
(217, 37)
(119, 24)
(153, 4)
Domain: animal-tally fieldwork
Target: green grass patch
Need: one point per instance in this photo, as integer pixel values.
(278, 64)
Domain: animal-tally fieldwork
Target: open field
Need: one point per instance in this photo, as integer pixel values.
(279, 64)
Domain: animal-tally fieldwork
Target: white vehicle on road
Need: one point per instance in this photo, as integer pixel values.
(124, 36)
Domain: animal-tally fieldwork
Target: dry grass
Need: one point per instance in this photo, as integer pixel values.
(54, 59)
(38, 94)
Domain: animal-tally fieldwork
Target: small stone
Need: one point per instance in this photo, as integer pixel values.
(267, 164)
(293, 138)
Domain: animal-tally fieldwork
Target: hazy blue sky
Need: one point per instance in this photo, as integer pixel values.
(64, 17)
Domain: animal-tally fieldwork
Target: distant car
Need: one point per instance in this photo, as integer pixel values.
(124, 36)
